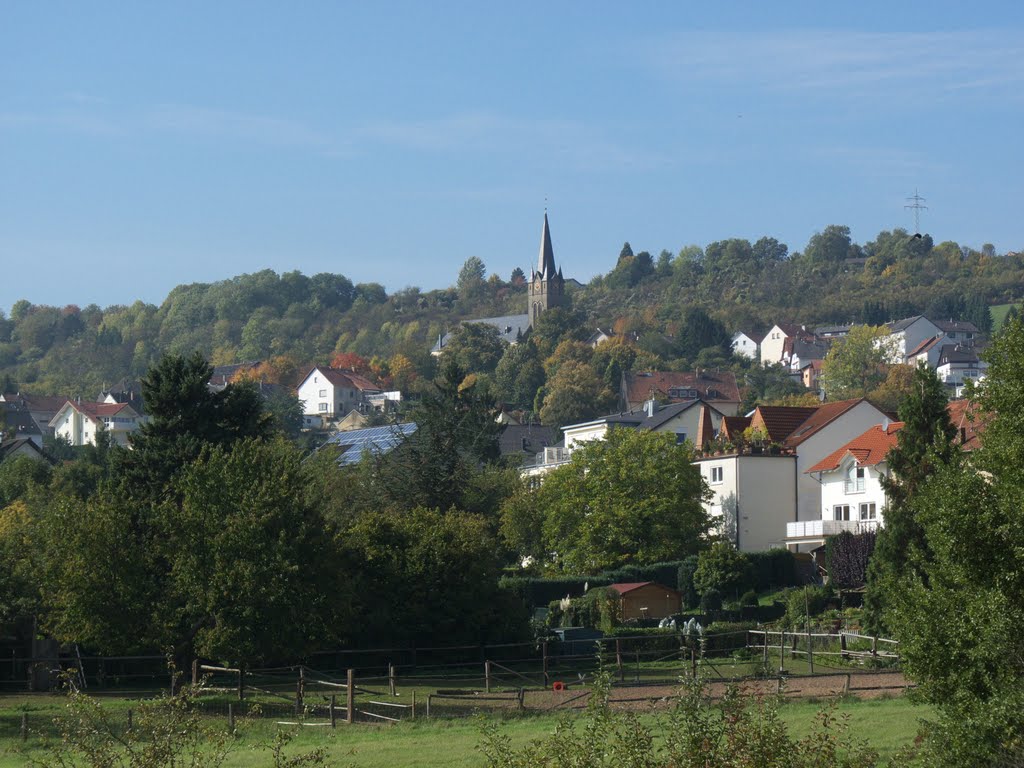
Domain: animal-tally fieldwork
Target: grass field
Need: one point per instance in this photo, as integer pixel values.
(999, 315)
(886, 724)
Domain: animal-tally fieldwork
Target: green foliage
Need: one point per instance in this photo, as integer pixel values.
(738, 731)
(475, 347)
(684, 581)
(519, 375)
(722, 568)
(857, 363)
(803, 604)
(633, 497)
(772, 569)
(19, 474)
(847, 556)
(573, 395)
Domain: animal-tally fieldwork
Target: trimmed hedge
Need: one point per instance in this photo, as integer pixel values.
(540, 591)
(773, 569)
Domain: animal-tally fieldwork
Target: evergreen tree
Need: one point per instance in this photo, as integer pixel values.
(923, 444)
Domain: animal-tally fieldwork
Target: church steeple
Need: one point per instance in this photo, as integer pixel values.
(547, 287)
(546, 260)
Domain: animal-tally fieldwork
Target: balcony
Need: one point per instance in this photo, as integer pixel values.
(819, 529)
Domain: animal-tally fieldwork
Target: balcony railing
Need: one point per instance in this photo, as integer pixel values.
(817, 529)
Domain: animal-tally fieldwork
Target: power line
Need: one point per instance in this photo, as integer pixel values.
(914, 203)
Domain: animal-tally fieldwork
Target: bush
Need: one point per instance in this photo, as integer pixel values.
(721, 638)
(749, 598)
(598, 609)
(773, 569)
(662, 573)
(541, 591)
(684, 581)
(722, 568)
(847, 556)
(711, 601)
(804, 604)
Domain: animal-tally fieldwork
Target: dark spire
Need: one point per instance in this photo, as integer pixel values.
(546, 261)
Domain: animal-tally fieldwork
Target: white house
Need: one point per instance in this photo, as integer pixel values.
(957, 365)
(78, 422)
(852, 497)
(773, 344)
(329, 393)
(754, 496)
(746, 343)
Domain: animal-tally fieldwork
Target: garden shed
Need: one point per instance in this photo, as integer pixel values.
(647, 600)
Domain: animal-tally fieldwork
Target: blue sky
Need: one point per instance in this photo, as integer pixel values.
(143, 145)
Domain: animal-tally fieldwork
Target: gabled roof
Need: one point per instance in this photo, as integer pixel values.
(867, 450)
(95, 410)
(754, 336)
(627, 587)
(711, 386)
(43, 403)
(510, 328)
(901, 325)
(969, 421)
(375, 440)
(955, 326)
(10, 447)
(926, 345)
(780, 421)
(832, 330)
(525, 438)
(953, 353)
(340, 378)
(733, 426)
(792, 329)
(822, 417)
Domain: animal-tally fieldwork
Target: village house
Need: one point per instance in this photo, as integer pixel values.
(41, 408)
(329, 393)
(717, 388)
(747, 343)
(774, 342)
(78, 422)
(956, 365)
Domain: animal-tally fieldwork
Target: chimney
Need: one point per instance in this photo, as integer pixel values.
(649, 408)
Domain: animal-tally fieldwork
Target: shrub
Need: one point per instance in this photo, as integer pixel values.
(684, 580)
(773, 569)
(722, 568)
(806, 603)
(541, 591)
(847, 556)
(723, 637)
(711, 600)
(749, 598)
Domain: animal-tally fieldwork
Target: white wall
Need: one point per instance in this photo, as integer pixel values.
(771, 346)
(744, 345)
(834, 493)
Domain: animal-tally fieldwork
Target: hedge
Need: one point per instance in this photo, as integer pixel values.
(540, 591)
(773, 569)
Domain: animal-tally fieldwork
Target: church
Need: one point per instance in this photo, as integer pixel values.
(545, 290)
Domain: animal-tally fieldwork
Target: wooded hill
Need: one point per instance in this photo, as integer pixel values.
(679, 306)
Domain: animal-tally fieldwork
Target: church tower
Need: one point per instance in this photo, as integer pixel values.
(547, 288)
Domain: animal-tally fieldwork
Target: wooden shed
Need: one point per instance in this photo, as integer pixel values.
(647, 600)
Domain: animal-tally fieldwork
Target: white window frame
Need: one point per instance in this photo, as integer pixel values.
(323, 407)
(856, 480)
(841, 512)
(868, 510)
(717, 475)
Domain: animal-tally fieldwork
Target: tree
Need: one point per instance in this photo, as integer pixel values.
(575, 393)
(924, 443)
(519, 374)
(898, 384)
(630, 498)
(471, 281)
(625, 253)
(858, 362)
(517, 278)
(476, 347)
(722, 568)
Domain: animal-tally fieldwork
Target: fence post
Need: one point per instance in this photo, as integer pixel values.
(129, 719)
(638, 666)
(810, 649)
(302, 684)
(693, 662)
(544, 647)
(428, 706)
(846, 685)
(298, 698)
(618, 660)
(782, 651)
(350, 713)
(487, 677)
(414, 704)
(842, 645)
(195, 671)
(874, 645)
(764, 652)
(519, 698)
(231, 717)
(392, 681)
(24, 726)
(333, 711)
(241, 682)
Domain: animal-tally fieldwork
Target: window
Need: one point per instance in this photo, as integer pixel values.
(323, 407)
(841, 512)
(680, 438)
(323, 393)
(716, 474)
(867, 511)
(855, 481)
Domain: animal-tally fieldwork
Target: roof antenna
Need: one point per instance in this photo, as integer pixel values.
(915, 206)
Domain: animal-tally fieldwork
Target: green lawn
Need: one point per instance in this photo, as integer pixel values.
(886, 724)
(999, 314)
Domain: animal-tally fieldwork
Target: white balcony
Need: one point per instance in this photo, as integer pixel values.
(819, 529)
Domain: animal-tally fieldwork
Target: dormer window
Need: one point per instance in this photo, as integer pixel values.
(855, 480)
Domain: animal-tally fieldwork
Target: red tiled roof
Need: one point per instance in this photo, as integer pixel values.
(340, 378)
(825, 413)
(779, 421)
(733, 426)
(925, 345)
(642, 386)
(867, 449)
(969, 422)
(99, 410)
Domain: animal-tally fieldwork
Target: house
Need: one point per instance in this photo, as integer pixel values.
(79, 421)
(692, 421)
(908, 334)
(225, 374)
(330, 393)
(957, 365)
(22, 446)
(969, 422)
(852, 497)
(810, 373)
(753, 495)
(959, 331)
(546, 290)
(647, 600)
(799, 351)
(832, 331)
(717, 388)
(16, 422)
(927, 352)
(352, 445)
(747, 343)
(525, 441)
(756, 496)
(42, 408)
(774, 342)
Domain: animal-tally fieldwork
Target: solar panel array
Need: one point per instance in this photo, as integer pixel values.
(375, 440)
